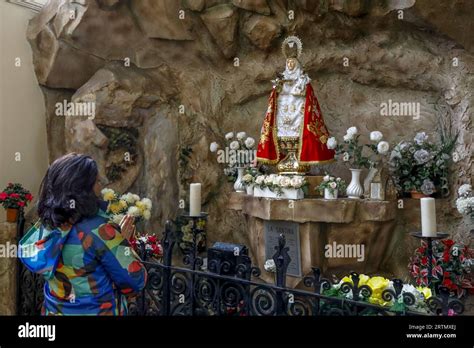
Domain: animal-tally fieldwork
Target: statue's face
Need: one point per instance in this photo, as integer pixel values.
(291, 63)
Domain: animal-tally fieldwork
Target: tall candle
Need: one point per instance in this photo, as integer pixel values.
(428, 217)
(195, 200)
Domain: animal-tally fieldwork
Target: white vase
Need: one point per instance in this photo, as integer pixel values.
(329, 195)
(238, 185)
(250, 190)
(355, 189)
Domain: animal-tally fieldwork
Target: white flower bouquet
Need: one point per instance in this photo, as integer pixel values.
(351, 151)
(465, 201)
(420, 165)
(126, 204)
(332, 184)
(282, 186)
(239, 151)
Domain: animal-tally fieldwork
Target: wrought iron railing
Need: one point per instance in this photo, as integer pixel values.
(186, 290)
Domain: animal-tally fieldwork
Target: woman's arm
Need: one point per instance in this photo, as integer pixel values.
(120, 262)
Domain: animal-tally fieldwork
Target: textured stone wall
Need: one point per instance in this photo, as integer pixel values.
(141, 60)
(8, 269)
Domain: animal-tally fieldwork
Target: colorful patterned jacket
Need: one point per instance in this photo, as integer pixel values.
(88, 267)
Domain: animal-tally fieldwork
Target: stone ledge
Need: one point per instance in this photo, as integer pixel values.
(8, 267)
(342, 210)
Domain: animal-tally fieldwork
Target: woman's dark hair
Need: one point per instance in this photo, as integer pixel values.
(67, 191)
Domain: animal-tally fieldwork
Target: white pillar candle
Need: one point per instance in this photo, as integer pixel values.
(195, 200)
(428, 217)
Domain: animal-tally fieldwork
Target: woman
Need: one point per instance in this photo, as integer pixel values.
(86, 260)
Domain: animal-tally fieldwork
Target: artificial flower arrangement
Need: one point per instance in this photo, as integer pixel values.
(140, 209)
(420, 165)
(283, 186)
(14, 196)
(378, 286)
(331, 186)
(451, 266)
(238, 152)
(465, 201)
(147, 243)
(351, 150)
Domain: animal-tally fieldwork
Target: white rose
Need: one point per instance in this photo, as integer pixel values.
(338, 179)
(285, 182)
(117, 218)
(331, 178)
(333, 185)
(147, 202)
(229, 135)
(326, 178)
(348, 137)
(133, 211)
(376, 136)
(276, 180)
(249, 142)
(234, 145)
(241, 135)
(214, 146)
(146, 215)
(464, 190)
(268, 180)
(297, 181)
(352, 130)
(270, 266)
(260, 179)
(383, 147)
(136, 198)
(332, 143)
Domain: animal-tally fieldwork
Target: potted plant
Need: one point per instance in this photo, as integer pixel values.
(420, 167)
(331, 186)
(351, 152)
(13, 198)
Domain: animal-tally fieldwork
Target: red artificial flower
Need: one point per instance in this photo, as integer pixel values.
(448, 243)
(448, 283)
(152, 239)
(446, 256)
(21, 204)
(424, 260)
(3, 196)
(29, 197)
(14, 195)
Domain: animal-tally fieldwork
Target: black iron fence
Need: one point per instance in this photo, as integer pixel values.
(190, 291)
(187, 290)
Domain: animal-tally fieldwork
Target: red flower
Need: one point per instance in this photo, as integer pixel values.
(21, 204)
(424, 260)
(29, 197)
(14, 195)
(448, 283)
(3, 196)
(448, 243)
(446, 256)
(10, 184)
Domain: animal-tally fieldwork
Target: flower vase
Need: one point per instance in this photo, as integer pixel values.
(355, 189)
(330, 195)
(250, 190)
(238, 185)
(12, 215)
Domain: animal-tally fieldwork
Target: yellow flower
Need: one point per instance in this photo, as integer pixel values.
(115, 207)
(123, 203)
(109, 195)
(363, 279)
(425, 291)
(140, 205)
(377, 285)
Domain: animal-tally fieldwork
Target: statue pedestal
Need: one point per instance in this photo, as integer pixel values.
(320, 223)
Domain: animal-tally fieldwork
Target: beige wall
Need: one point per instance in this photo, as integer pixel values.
(22, 116)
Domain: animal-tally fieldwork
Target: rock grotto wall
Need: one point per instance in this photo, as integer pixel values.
(143, 60)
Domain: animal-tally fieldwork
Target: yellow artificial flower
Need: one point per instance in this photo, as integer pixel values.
(377, 285)
(123, 203)
(140, 205)
(363, 279)
(425, 291)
